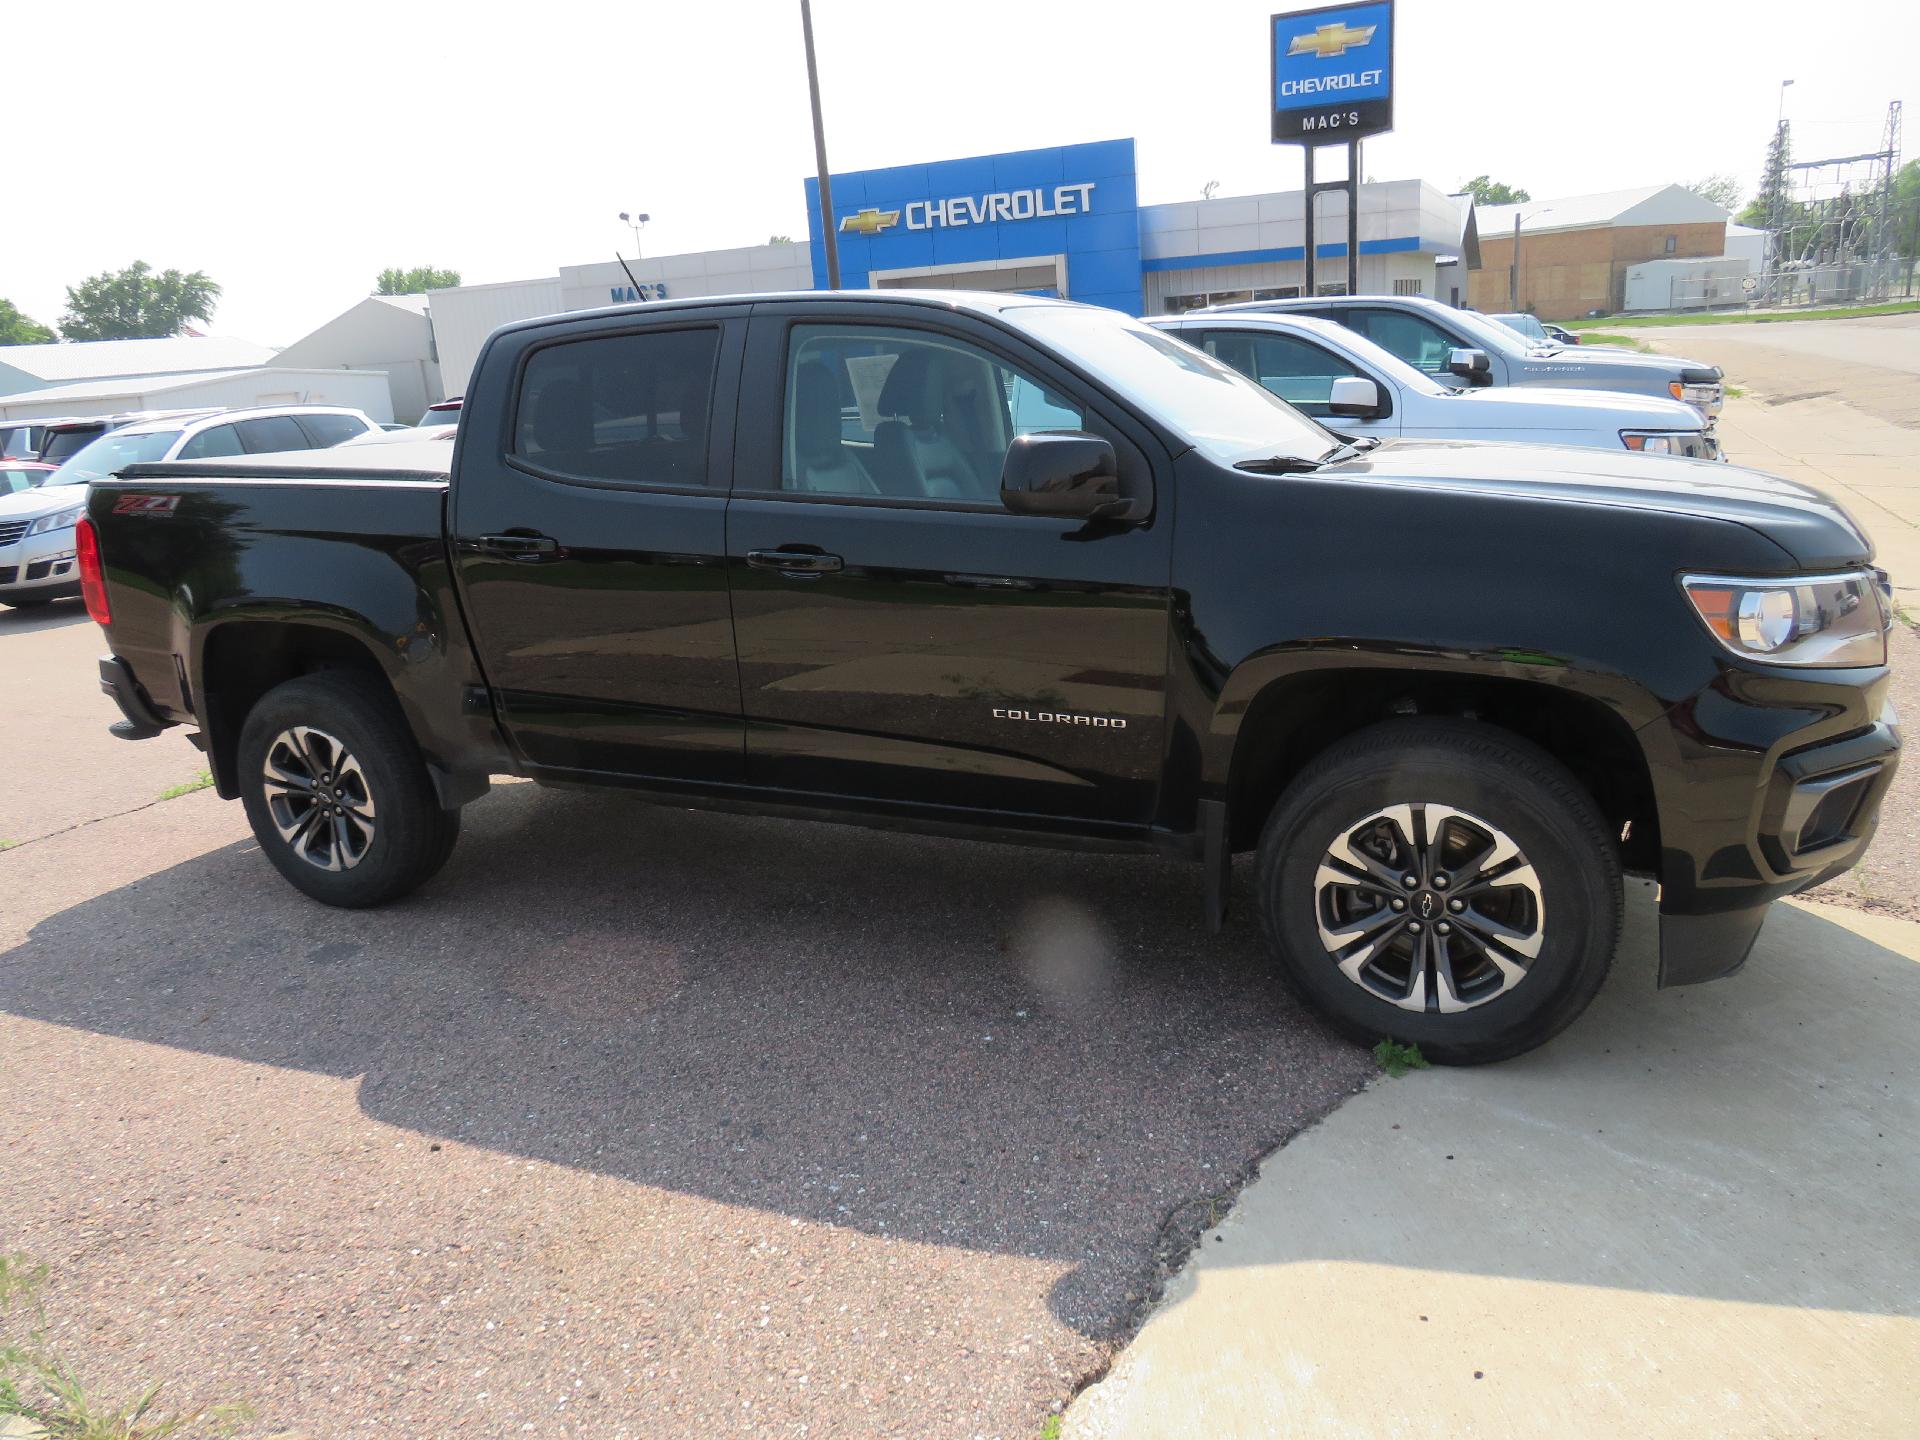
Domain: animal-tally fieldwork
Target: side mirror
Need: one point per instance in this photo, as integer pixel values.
(1353, 395)
(1473, 366)
(1067, 473)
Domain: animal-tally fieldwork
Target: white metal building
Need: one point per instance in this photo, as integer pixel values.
(463, 318)
(388, 333)
(37, 367)
(257, 385)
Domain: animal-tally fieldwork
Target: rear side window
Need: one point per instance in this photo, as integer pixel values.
(211, 444)
(629, 409)
(329, 430)
(272, 433)
(64, 443)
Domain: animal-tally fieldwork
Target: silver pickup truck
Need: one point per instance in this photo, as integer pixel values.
(1468, 347)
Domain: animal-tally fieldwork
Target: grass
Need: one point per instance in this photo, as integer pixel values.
(1397, 1059)
(8, 844)
(1747, 317)
(1625, 342)
(203, 781)
(1051, 1430)
(39, 1388)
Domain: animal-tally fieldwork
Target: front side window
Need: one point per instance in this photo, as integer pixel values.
(1298, 371)
(212, 444)
(626, 409)
(876, 411)
(1419, 342)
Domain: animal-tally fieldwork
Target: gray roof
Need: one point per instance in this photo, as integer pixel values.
(101, 359)
(1647, 205)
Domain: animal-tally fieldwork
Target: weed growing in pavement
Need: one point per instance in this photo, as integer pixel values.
(38, 1387)
(1397, 1059)
(8, 844)
(1051, 1430)
(201, 782)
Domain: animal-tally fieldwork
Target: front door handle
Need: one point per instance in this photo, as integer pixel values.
(794, 562)
(515, 547)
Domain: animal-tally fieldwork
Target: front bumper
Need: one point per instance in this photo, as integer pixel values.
(1763, 808)
(39, 566)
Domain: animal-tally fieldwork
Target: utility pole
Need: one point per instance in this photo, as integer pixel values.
(827, 231)
(1513, 272)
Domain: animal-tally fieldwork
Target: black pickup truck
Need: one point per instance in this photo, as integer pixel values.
(1022, 569)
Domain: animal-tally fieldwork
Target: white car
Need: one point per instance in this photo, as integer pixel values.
(36, 526)
(1352, 385)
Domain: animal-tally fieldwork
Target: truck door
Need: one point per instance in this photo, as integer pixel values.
(905, 638)
(588, 525)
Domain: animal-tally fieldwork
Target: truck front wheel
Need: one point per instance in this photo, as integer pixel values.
(337, 793)
(1442, 883)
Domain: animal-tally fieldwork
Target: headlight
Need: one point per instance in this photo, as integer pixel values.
(1653, 443)
(1700, 396)
(59, 520)
(1831, 620)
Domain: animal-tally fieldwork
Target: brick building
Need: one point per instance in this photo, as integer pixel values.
(1574, 252)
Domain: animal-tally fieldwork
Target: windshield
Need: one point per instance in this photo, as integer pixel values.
(1218, 410)
(1523, 325)
(113, 452)
(1491, 334)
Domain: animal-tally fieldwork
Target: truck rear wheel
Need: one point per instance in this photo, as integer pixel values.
(1441, 883)
(337, 793)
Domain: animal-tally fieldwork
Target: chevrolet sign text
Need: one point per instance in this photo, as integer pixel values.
(1034, 204)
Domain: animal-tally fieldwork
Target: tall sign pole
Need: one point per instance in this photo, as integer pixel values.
(828, 233)
(1333, 85)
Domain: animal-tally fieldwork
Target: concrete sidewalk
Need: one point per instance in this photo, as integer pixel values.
(1693, 1214)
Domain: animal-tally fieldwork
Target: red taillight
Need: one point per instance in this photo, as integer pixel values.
(93, 581)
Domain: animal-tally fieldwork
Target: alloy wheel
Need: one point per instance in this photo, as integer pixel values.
(318, 798)
(1429, 908)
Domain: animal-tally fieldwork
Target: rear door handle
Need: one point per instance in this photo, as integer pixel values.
(794, 562)
(515, 547)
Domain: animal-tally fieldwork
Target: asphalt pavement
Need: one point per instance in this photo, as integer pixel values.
(634, 1122)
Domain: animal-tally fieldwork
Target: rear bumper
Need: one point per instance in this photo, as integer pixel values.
(1752, 825)
(142, 721)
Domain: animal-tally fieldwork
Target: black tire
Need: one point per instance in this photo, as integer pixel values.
(408, 837)
(1508, 789)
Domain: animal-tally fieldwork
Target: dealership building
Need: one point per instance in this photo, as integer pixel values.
(1063, 221)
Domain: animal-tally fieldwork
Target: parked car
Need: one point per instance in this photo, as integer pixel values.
(1446, 342)
(37, 526)
(1343, 379)
(61, 440)
(442, 412)
(404, 435)
(21, 439)
(18, 475)
(1448, 692)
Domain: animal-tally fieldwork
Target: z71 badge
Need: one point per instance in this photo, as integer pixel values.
(146, 505)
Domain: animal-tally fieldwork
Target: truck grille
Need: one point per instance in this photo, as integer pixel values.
(12, 530)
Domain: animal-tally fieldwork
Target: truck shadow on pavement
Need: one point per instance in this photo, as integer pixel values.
(1020, 1051)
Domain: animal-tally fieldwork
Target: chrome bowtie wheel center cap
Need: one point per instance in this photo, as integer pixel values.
(1429, 908)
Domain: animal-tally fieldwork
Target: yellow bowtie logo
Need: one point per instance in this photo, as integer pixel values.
(1330, 41)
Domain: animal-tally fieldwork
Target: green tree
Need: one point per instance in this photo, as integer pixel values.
(1770, 202)
(1487, 191)
(137, 303)
(1722, 190)
(1906, 210)
(416, 281)
(18, 329)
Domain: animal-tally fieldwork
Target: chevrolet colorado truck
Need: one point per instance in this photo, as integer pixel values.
(1022, 569)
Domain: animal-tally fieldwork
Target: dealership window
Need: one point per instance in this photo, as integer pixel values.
(1181, 304)
(1336, 288)
(1409, 287)
(882, 412)
(624, 408)
(1283, 292)
(1298, 371)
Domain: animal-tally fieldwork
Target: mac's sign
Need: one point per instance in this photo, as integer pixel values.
(1333, 73)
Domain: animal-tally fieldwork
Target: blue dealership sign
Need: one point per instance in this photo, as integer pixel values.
(1063, 220)
(1333, 73)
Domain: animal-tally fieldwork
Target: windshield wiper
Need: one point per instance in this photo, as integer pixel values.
(1278, 465)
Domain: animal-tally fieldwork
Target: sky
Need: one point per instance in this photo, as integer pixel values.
(293, 152)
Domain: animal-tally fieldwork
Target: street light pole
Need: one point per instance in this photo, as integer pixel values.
(828, 235)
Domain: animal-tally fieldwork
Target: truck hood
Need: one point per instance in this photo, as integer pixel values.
(41, 500)
(1578, 359)
(1810, 526)
(1530, 404)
